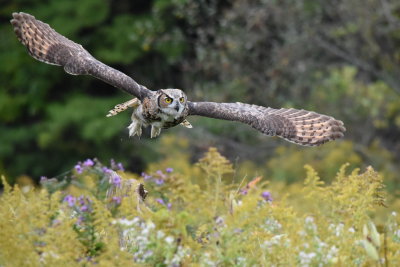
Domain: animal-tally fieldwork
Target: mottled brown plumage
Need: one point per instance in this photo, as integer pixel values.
(297, 126)
(46, 45)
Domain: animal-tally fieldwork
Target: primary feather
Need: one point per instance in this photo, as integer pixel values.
(298, 126)
(47, 45)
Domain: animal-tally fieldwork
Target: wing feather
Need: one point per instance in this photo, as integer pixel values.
(46, 45)
(298, 126)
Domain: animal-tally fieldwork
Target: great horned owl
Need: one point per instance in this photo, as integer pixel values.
(166, 108)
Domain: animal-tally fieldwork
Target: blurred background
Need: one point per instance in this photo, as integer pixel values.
(340, 58)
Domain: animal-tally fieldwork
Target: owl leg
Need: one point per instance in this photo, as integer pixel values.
(155, 131)
(135, 128)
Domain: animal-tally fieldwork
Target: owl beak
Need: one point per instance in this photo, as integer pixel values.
(177, 107)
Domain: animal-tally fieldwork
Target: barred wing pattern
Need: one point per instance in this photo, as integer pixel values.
(302, 127)
(46, 45)
(298, 126)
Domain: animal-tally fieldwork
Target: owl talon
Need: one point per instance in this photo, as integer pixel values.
(135, 128)
(155, 131)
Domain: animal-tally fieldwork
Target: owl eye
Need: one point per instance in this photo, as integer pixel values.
(182, 99)
(168, 100)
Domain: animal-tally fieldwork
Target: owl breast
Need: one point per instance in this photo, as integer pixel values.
(150, 114)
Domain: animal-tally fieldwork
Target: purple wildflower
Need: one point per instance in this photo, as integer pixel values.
(160, 200)
(159, 181)
(169, 206)
(80, 220)
(169, 170)
(116, 179)
(106, 170)
(78, 168)
(237, 230)
(267, 196)
(146, 176)
(43, 179)
(81, 200)
(84, 208)
(88, 163)
(243, 191)
(70, 200)
(117, 200)
(120, 166)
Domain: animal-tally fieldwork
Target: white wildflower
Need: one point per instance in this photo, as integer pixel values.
(309, 219)
(127, 222)
(272, 225)
(302, 233)
(148, 228)
(241, 261)
(160, 234)
(396, 236)
(148, 254)
(321, 244)
(177, 257)
(275, 240)
(310, 225)
(339, 229)
(151, 225)
(169, 240)
(331, 256)
(306, 258)
(206, 260)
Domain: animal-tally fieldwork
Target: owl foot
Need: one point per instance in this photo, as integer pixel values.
(135, 128)
(155, 131)
(134, 103)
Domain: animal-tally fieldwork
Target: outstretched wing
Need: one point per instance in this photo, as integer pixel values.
(46, 45)
(302, 127)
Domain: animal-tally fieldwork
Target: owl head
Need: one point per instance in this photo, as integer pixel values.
(171, 101)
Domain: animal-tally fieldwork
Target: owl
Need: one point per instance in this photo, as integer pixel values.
(166, 108)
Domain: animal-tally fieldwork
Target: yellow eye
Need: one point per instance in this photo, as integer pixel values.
(168, 100)
(182, 99)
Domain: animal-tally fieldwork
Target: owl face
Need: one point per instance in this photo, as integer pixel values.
(172, 101)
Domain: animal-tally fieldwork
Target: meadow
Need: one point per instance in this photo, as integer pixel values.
(201, 214)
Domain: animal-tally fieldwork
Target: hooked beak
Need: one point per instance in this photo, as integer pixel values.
(177, 107)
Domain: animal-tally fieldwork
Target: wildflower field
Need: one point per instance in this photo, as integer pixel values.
(198, 215)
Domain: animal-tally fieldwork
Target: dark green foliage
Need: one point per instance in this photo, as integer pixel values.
(339, 58)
